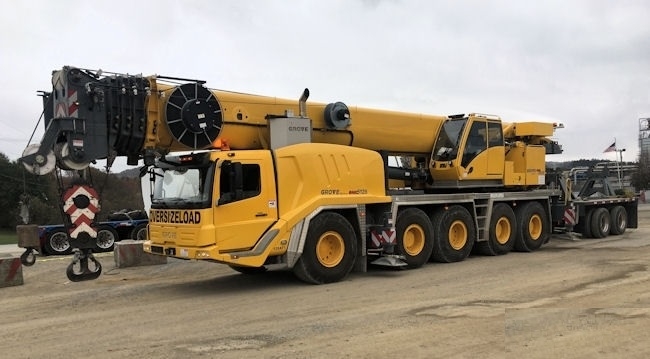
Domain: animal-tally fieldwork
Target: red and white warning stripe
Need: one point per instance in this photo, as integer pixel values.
(379, 238)
(11, 272)
(67, 107)
(73, 105)
(569, 216)
(81, 218)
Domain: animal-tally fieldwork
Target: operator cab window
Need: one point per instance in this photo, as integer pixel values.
(475, 143)
(495, 134)
(250, 185)
(251, 176)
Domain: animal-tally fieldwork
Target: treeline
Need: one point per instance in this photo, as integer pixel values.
(640, 179)
(565, 166)
(123, 191)
(42, 197)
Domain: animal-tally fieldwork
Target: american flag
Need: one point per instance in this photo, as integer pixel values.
(611, 148)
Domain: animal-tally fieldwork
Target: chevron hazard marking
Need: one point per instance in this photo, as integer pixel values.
(570, 216)
(387, 236)
(60, 110)
(73, 106)
(68, 107)
(83, 227)
(81, 218)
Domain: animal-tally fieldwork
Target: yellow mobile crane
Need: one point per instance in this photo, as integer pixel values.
(321, 189)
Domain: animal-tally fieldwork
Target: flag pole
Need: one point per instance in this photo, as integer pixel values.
(618, 165)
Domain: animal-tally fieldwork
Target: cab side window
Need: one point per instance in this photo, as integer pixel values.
(495, 134)
(233, 189)
(475, 143)
(251, 180)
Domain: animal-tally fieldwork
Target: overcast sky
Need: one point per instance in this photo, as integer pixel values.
(583, 63)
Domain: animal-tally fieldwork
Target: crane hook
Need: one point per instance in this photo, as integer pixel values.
(79, 270)
(28, 258)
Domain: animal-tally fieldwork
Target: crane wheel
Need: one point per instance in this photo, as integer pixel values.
(503, 229)
(532, 227)
(454, 234)
(618, 217)
(600, 222)
(329, 251)
(414, 237)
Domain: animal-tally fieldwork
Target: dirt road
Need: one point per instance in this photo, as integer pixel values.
(571, 299)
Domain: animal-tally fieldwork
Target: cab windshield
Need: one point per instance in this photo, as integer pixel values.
(182, 186)
(447, 144)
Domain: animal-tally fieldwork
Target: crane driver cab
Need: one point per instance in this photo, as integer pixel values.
(475, 143)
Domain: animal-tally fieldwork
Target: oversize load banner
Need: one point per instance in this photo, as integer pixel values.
(175, 216)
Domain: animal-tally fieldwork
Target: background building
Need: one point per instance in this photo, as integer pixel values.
(644, 137)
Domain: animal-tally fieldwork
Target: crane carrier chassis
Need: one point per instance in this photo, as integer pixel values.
(319, 188)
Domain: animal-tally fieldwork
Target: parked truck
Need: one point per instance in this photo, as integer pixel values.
(121, 225)
(317, 188)
(589, 205)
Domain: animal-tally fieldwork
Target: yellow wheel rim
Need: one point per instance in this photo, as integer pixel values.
(535, 227)
(330, 249)
(502, 230)
(413, 240)
(458, 235)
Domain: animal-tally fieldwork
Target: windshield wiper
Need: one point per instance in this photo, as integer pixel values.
(168, 201)
(177, 202)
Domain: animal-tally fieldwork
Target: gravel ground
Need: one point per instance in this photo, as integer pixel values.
(572, 299)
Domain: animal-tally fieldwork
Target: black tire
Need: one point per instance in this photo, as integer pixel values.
(532, 227)
(586, 225)
(58, 243)
(503, 231)
(139, 232)
(248, 270)
(106, 238)
(600, 223)
(329, 251)
(454, 234)
(414, 237)
(618, 216)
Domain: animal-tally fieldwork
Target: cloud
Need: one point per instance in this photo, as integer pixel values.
(583, 63)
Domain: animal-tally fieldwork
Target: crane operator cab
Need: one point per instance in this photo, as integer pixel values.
(475, 144)
(469, 152)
